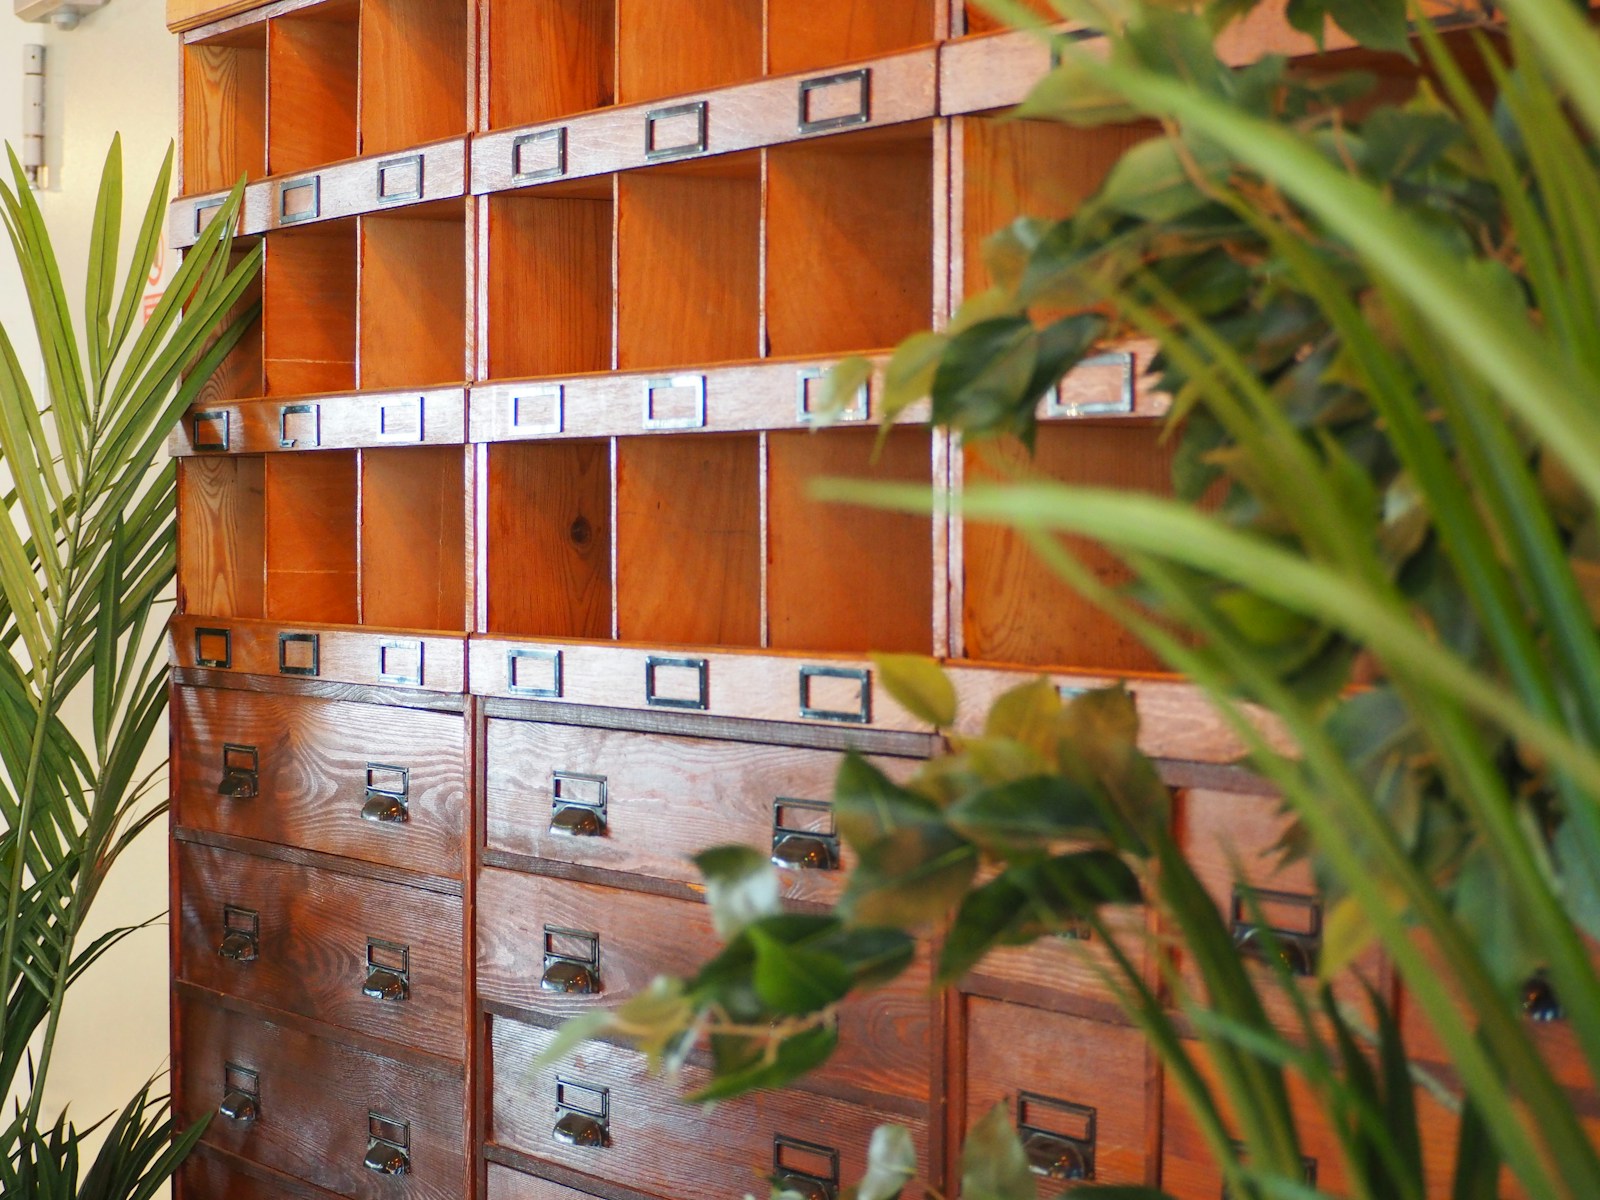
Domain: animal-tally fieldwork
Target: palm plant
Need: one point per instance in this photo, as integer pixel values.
(86, 558)
(1379, 338)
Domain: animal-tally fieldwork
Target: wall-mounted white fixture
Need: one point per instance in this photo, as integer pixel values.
(33, 116)
(63, 14)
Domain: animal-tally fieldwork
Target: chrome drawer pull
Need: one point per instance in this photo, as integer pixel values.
(799, 847)
(578, 804)
(571, 962)
(388, 971)
(241, 772)
(1058, 1136)
(585, 1120)
(388, 795)
(805, 1168)
(1281, 926)
(241, 1100)
(1539, 999)
(241, 934)
(388, 1145)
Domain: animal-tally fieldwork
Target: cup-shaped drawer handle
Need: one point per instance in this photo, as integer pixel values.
(565, 975)
(238, 1106)
(805, 851)
(384, 984)
(385, 808)
(1539, 999)
(241, 772)
(1054, 1157)
(386, 1158)
(582, 1130)
(239, 946)
(388, 799)
(241, 934)
(802, 1185)
(577, 820)
(578, 804)
(1282, 926)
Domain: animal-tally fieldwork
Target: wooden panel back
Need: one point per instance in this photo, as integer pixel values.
(315, 1098)
(413, 538)
(659, 1144)
(1016, 609)
(549, 539)
(506, 1184)
(668, 47)
(313, 757)
(1006, 169)
(689, 540)
(803, 35)
(689, 264)
(850, 237)
(311, 959)
(667, 798)
(208, 1175)
(311, 536)
(413, 73)
(885, 1035)
(843, 577)
(221, 531)
(529, 78)
(224, 111)
(311, 82)
(413, 298)
(549, 292)
(1013, 1051)
(239, 375)
(310, 318)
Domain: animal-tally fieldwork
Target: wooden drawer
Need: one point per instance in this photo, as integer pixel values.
(654, 1141)
(315, 761)
(528, 924)
(310, 942)
(1063, 972)
(506, 1184)
(318, 1104)
(207, 1175)
(655, 800)
(1079, 1090)
(1223, 832)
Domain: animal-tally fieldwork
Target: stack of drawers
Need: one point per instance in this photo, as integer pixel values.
(501, 590)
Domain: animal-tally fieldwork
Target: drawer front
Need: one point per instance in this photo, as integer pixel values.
(1222, 831)
(1081, 1092)
(324, 774)
(206, 1175)
(655, 1142)
(506, 1184)
(322, 1109)
(643, 804)
(1067, 971)
(377, 957)
(531, 928)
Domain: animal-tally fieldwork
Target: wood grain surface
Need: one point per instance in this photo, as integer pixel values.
(414, 84)
(312, 57)
(309, 284)
(311, 537)
(210, 1174)
(315, 1097)
(803, 35)
(221, 537)
(312, 759)
(668, 47)
(527, 80)
(328, 422)
(314, 931)
(400, 658)
(412, 538)
(413, 300)
(224, 110)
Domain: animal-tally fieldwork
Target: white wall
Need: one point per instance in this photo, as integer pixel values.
(116, 72)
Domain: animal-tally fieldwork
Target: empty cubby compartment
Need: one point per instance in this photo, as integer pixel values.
(842, 577)
(1008, 168)
(413, 296)
(547, 529)
(804, 35)
(311, 537)
(671, 47)
(413, 537)
(689, 263)
(221, 536)
(239, 375)
(312, 71)
(413, 73)
(549, 291)
(689, 539)
(309, 309)
(225, 109)
(1015, 609)
(850, 241)
(980, 20)
(549, 58)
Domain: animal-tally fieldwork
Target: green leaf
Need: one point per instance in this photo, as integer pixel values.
(982, 379)
(920, 686)
(1074, 97)
(868, 805)
(741, 886)
(1029, 714)
(891, 1165)
(572, 1034)
(1375, 24)
(914, 875)
(1027, 814)
(741, 1073)
(993, 1165)
(1152, 181)
(794, 980)
(909, 376)
(840, 388)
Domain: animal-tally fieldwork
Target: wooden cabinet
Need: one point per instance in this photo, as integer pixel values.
(502, 590)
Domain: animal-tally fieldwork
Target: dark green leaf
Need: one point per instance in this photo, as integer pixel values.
(914, 875)
(868, 805)
(795, 980)
(920, 686)
(1028, 814)
(741, 886)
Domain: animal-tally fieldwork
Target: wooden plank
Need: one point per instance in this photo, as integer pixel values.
(328, 422)
(746, 116)
(221, 537)
(311, 537)
(669, 47)
(414, 83)
(413, 297)
(412, 538)
(805, 35)
(527, 80)
(224, 111)
(689, 540)
(309, 287)
(311, 87)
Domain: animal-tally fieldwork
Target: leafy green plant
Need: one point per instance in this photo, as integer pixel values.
(1378, 333)
(87, 554)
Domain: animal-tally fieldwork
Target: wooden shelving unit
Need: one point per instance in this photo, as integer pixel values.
(501, 590)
